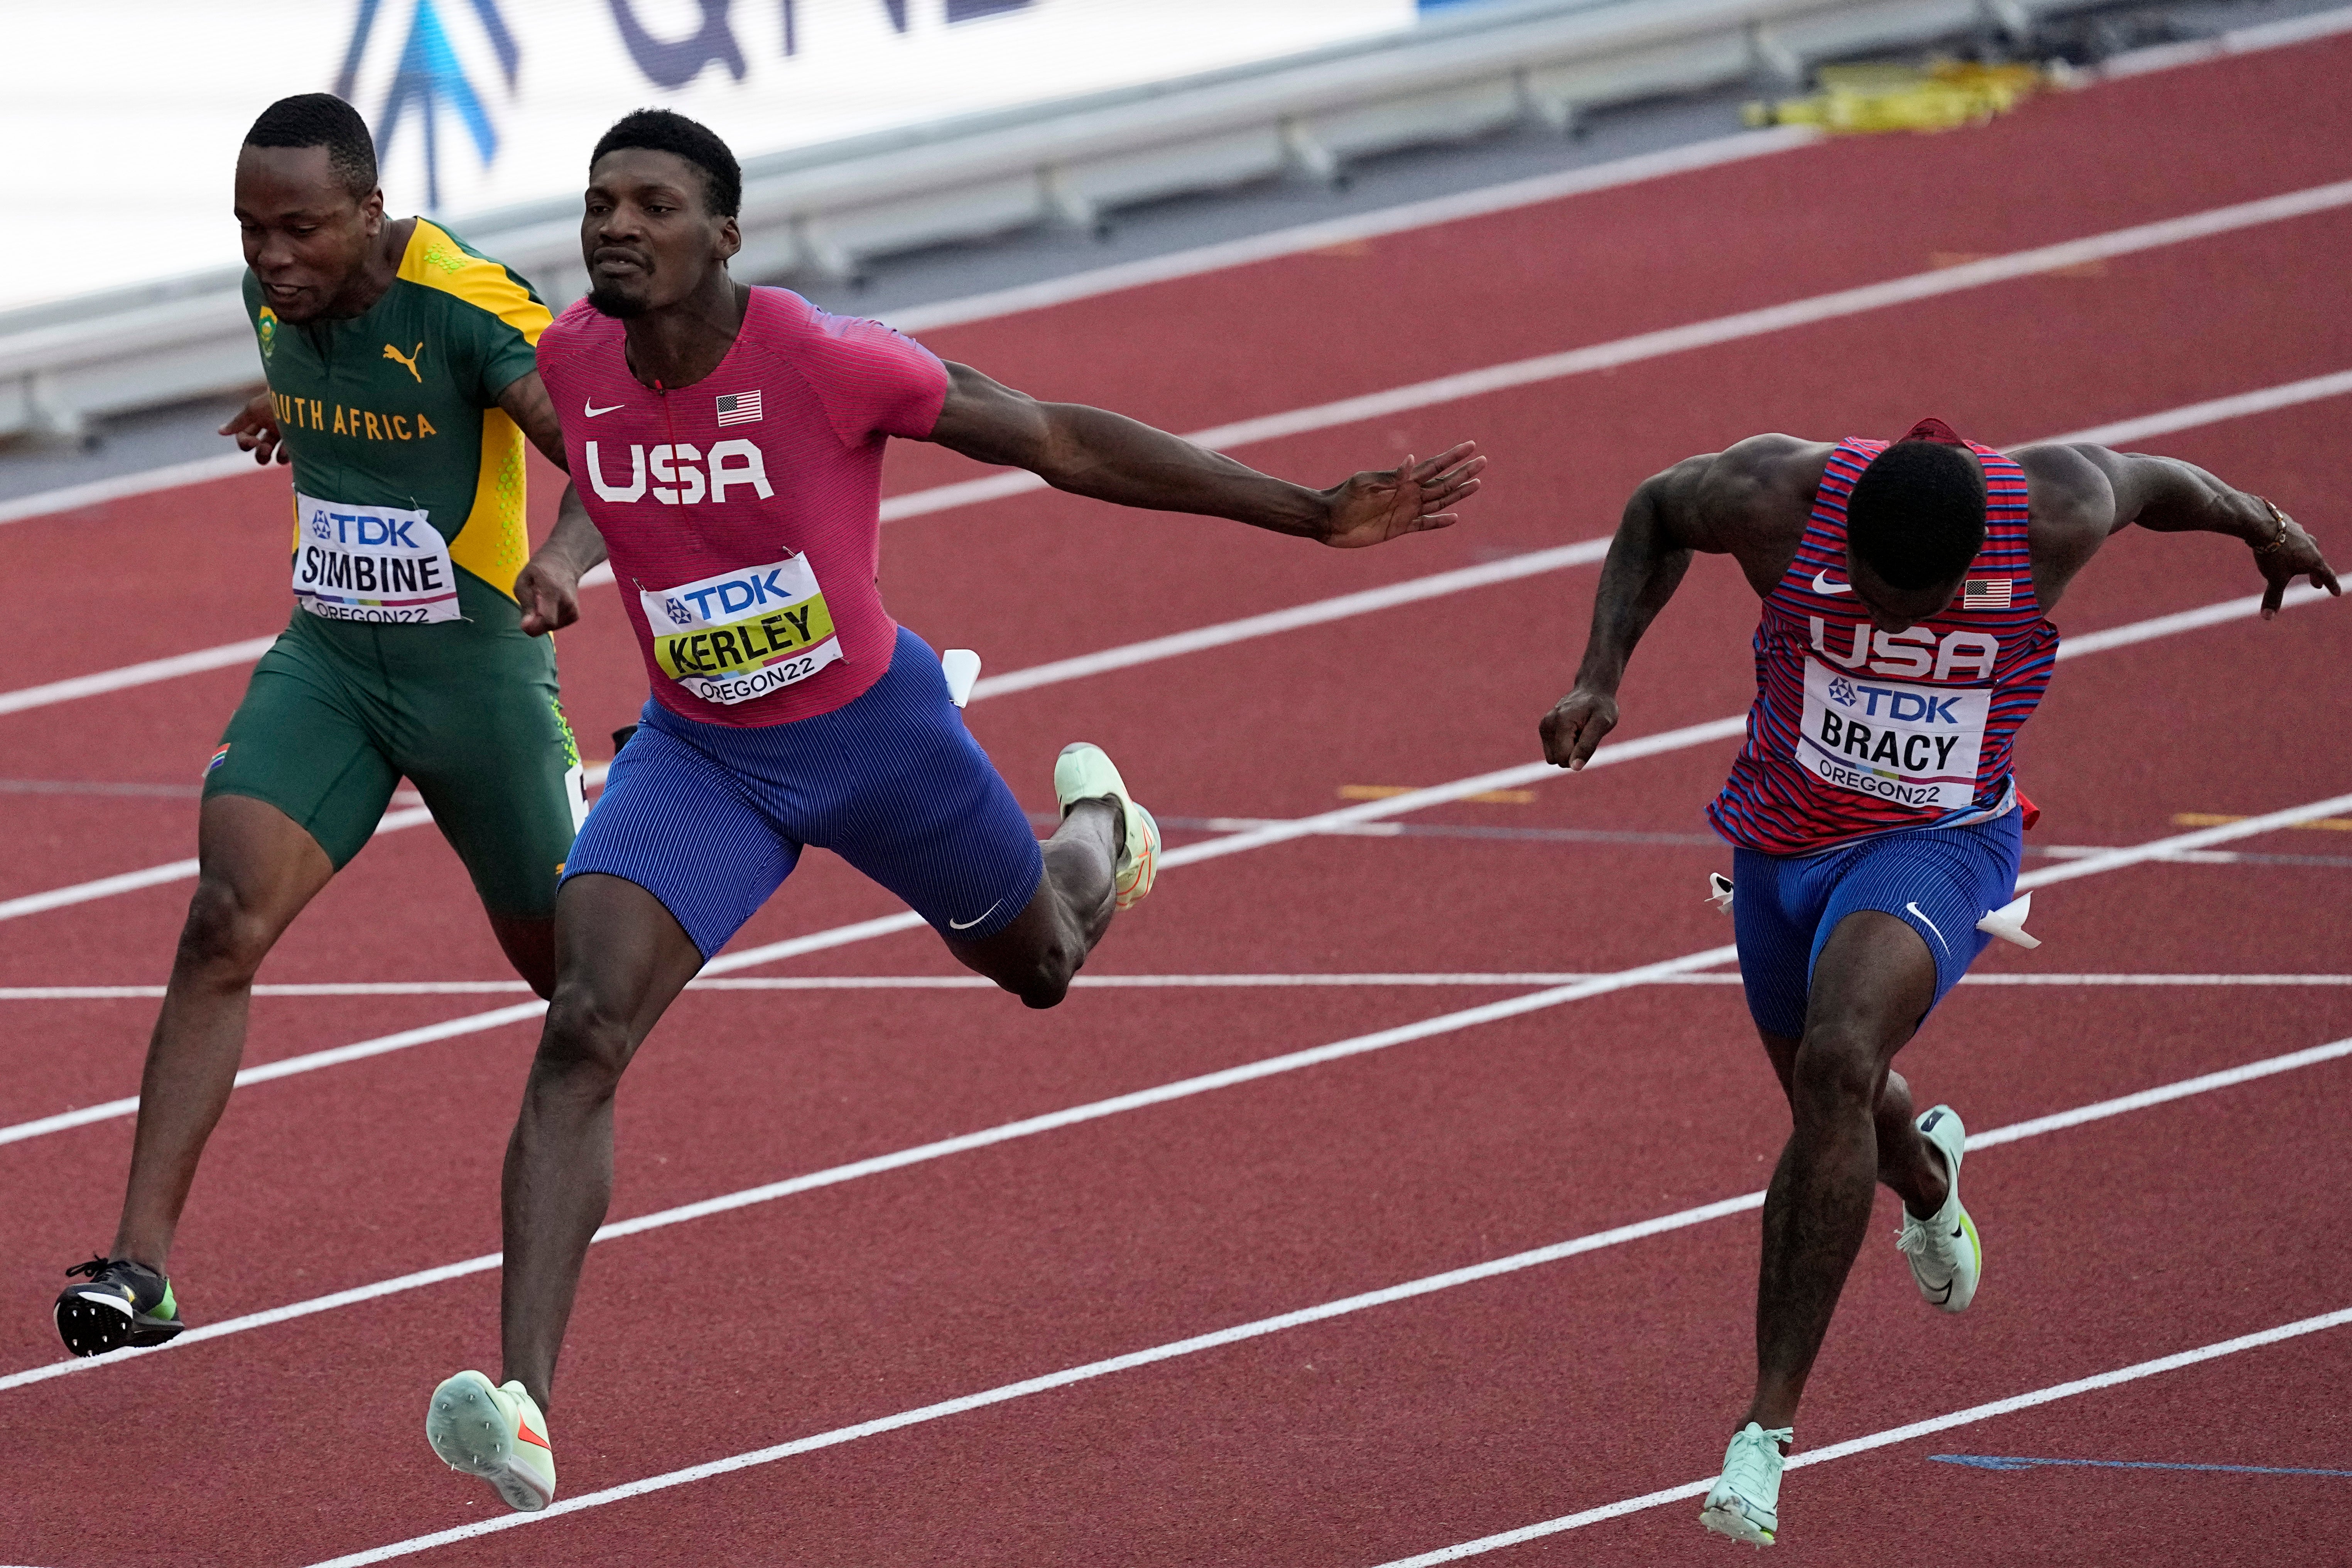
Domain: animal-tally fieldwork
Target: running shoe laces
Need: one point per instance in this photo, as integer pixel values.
(1752, 1469)
(90, 1270)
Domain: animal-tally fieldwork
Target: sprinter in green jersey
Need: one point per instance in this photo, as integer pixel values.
(403, 384)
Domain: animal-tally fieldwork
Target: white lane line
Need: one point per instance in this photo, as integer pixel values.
(1550, 367)
(1428, 1285)
(131, 675)
(1278, 833)
(1670, 971)
(1853, 1445)
(70, 497)
(1102, 983)
(592, 777)
(1431, 214)
(1719, 329)
(2123, 432)
(1369, 601)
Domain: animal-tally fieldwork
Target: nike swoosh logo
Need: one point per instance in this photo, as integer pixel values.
(967, 925)
(1822, 585)
(594, 410)
(1929, 924)
(1947, 1292)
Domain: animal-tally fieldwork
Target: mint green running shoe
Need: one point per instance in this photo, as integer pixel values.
(495, 1432)
(1946, 1255)
(1083, 773)
(1746, 1503)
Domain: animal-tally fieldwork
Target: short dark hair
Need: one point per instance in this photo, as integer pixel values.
(666, 131)
(1917, 513)
(322, 120)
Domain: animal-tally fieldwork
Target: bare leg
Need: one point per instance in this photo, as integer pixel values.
(620, 959)
(1874, 982)
(1908, 1164)
(530, 946)
(1035, 956)
(256, 869)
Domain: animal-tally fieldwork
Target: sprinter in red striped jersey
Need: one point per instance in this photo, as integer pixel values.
(1874, 810)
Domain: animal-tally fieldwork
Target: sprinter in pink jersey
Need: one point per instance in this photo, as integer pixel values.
(731, 439)
(1873, 809)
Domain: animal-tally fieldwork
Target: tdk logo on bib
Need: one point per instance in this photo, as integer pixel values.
(740, 635)
(371, 563)
(1914, 745)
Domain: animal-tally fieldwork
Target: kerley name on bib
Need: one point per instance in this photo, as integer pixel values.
(371, 563)
(742, 634)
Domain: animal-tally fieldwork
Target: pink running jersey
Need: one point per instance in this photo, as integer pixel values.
(1857, 732)
(743, 512)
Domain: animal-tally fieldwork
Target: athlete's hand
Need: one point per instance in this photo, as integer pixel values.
(256, 429)
(2298, 557)
(548, 589)
(1374, 508)
(1575, 726)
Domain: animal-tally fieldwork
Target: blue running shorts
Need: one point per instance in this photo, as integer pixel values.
(1939, 880)
(710, 819)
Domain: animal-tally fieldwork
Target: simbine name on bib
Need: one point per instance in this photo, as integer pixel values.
(371, 563)
(740, 635)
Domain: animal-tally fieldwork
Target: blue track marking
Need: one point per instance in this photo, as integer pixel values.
(1996, 1462)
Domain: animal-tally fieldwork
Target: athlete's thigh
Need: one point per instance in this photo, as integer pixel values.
(1775, 906)
(944, 834)
(495, 759)
(1931, 887)
(672, 821)
(298, 743)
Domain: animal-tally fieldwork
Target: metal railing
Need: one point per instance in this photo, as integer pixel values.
(819, 211)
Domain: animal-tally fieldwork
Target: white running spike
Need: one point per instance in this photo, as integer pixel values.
(2008, 922)
(962, 667)
(1718, 893)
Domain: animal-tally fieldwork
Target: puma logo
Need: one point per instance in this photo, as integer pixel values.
(407, 361)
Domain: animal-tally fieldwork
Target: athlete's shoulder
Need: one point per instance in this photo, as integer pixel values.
(782, 320)
(579, 329)
(467, 282)
(1771, 470)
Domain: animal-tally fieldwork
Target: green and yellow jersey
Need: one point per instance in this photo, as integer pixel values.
(408, 478)
(405, 654)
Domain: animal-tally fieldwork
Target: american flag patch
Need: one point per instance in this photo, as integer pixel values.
(739, 408)
(1982, 593)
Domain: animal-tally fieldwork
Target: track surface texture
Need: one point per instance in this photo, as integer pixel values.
(918, 1267)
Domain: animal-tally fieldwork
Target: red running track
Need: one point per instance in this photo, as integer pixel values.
(1402, 1427)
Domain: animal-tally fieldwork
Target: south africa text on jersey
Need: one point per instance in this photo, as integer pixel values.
(359, 423)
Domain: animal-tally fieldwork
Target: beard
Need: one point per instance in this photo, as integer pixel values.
(611, 302)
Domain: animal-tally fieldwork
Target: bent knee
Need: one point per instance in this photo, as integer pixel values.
(222, 937)
(586, 1039)
(1045, 979)
(1835, 1070)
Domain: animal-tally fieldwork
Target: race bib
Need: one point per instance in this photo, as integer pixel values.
(1914, 745)
(371, 563)
(743, 634)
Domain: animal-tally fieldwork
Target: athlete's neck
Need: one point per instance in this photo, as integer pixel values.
(374, 274)
(676, 345)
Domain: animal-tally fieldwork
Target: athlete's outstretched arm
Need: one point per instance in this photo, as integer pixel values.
(2083, 494)
(548, 587)
(1738, 502)
(1094, 452)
